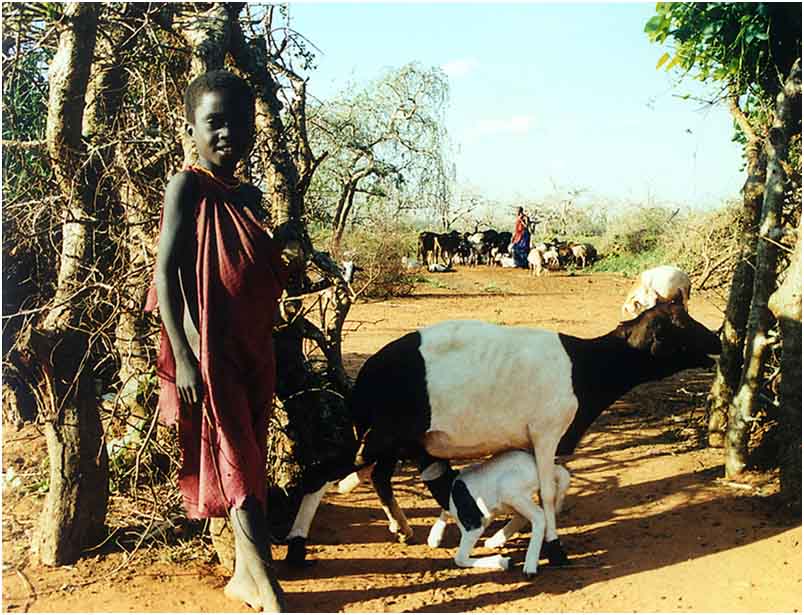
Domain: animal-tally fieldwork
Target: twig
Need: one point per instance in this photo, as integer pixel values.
(777, 244)
(32, 597)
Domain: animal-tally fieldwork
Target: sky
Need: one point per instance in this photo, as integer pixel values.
(543, 97)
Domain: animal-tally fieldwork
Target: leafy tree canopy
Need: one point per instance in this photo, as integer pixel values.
(748, 46)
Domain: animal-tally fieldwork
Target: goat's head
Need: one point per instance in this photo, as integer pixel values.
(672, 337)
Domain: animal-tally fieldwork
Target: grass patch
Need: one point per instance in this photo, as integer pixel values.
(433, 283)
(630, 264)
(493, 288)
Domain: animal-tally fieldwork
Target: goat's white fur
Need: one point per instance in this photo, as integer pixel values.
(503, 484)
(535, 261)
(662, 284)
(526, 375)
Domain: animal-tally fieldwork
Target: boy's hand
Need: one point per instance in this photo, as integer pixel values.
(188, 380)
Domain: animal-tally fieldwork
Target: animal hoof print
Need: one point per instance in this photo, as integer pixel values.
(297, 553)
(555, 553)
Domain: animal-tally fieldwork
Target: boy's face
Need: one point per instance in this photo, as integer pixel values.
(222, 130)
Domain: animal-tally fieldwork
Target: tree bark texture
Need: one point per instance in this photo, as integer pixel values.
(785, 304)
(760, 319)
(75, 508)
(732, 337)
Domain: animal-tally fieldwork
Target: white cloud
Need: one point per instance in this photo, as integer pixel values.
(459, 68)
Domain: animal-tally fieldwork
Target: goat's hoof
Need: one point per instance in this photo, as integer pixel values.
(554, 553)
(297, 553)
(530, 574)
(505, 563)
(405, 539)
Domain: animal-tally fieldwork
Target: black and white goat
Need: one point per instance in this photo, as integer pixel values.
(503, 484)
(465, 389)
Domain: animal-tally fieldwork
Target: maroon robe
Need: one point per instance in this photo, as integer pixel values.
(240, 278)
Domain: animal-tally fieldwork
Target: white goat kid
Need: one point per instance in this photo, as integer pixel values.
(503, 484)
(663, 284)
(535, 262)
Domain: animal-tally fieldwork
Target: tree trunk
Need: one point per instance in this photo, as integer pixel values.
(760, 320)
(75, 508)
(732, 337)
(785, 304)
(74, 514)
(131, 331)
(342, 216)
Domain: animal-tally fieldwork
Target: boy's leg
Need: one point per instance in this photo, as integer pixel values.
(241, 586)
(251, 534)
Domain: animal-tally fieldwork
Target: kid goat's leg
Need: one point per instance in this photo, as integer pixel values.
(500, 537)
(468, 540)
(528, 509)
(437, 531)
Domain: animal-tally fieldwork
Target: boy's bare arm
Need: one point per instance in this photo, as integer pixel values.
(177, 225)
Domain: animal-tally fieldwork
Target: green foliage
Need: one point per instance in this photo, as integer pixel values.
(749, 46)
(630, 264)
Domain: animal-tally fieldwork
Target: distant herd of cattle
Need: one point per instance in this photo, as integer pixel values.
(494, 248)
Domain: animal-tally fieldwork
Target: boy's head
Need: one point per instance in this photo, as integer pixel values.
(217, 81)
(219, 109)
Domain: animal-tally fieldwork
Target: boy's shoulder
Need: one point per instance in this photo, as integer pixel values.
(182, 182)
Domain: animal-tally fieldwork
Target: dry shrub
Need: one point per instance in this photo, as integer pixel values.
(706, 246)
(380, 256)
(636, 231)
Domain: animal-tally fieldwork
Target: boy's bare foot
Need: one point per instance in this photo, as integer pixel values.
(243, 589)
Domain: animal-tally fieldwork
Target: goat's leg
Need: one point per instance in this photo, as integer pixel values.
(437, 531)
(544, 449)
(297, 537)
(468, 540)
(500, 537)
(529, 510)
(381, 479)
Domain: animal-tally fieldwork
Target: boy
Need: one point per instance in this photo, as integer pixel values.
(218, 280)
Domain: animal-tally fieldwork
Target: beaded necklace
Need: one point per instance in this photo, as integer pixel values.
(231, 184)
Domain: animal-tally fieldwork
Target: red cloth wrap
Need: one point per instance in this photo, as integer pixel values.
(240, 279)
(519, 229)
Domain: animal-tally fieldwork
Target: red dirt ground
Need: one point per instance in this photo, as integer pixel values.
(649, 525)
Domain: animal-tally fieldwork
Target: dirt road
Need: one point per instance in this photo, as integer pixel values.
(649, 525)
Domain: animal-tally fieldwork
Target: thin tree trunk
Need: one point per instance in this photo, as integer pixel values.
(730, 362)
(131, 330)
(785, 304)
(74, 512)
(342, 217)
(760, 320)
